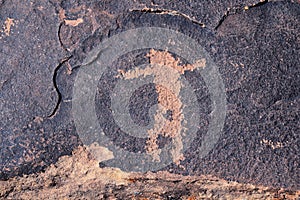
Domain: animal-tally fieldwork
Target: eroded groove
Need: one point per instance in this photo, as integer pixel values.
(222, 20)
(238, 10)
(58, 34)
(59, 38)
(169, 12)
(59, 95)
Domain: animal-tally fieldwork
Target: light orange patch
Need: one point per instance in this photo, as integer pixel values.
(9, 22)
(164, 58)
(62, 14)
(74, 22)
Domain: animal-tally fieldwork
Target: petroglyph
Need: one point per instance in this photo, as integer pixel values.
(166, 71)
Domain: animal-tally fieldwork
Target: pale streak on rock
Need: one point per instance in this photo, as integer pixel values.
(73, 23)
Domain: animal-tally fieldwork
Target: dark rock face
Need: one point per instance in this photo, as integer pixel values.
(256, 50)
(30, 51)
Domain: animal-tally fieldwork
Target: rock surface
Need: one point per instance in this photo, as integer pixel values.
(254, 44)
(78, 176)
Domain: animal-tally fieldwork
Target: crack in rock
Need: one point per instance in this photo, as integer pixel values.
(169, 12)
(238, 10)
(59, 95)
(59, 37)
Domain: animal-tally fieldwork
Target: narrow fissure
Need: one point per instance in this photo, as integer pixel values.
(59, 95)
(169, 12)
(233, 11)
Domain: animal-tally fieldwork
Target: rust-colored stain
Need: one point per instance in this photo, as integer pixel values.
(192, 198)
